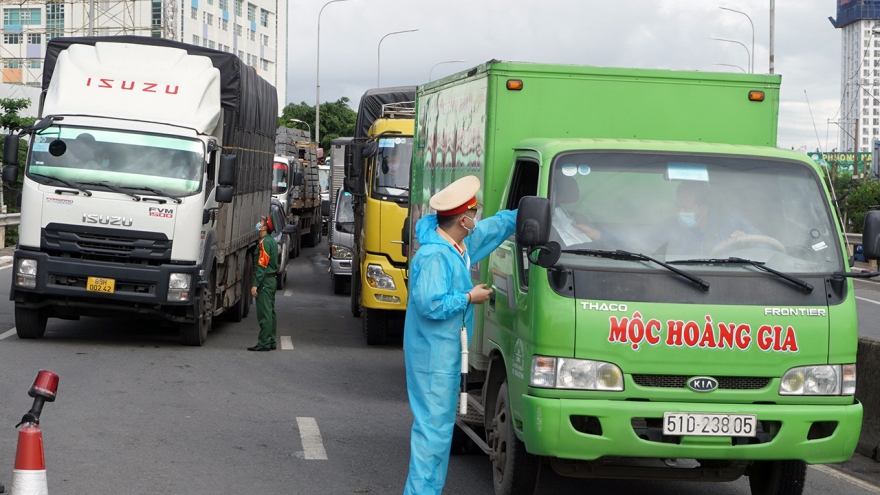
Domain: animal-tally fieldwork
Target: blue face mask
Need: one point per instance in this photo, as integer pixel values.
(258, 226)
(687, 219)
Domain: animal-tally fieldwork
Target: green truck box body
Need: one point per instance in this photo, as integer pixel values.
(746, 331)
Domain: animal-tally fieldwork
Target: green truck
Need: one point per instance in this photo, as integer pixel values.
(676, 303)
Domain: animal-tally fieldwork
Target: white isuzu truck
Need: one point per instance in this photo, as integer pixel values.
(147, 170)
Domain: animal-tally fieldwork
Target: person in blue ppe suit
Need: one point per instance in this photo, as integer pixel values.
(441, 296)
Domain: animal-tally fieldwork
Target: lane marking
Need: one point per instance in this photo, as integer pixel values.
(286, 343)
(8, 333)
(288, 293)
(846, 477)
(867, 300)
(313, 445)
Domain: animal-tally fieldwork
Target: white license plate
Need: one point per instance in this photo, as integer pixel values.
(710, 425)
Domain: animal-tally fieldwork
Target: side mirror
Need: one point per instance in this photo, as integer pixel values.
(547, 255)
(405, 231)
(10, 149)
(297, 178)
(369, 149)
(533, 221)
(325, 208)
(289, 229)
(224, 194)
(871, 236)
(226, 174)
(10, 175)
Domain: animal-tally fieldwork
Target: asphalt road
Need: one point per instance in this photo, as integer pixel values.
(137, 413)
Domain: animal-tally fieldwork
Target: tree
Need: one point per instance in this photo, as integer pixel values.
(10, 120)
(337, 119)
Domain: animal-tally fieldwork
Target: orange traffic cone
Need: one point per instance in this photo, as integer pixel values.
(29, 475)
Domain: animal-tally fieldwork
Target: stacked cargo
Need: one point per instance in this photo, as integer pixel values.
(306, 195)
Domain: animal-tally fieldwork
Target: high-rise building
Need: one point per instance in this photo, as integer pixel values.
(255, 30)
(859, 118)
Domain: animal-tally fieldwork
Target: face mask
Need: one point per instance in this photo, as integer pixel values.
(258, 226)
(687, 219)
(471, 231)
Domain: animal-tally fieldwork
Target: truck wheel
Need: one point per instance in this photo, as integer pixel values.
(30, 323)
(246, 281)
(375, 324)
(355, 291)
(515, 471)
(196, 332)
(777, 477)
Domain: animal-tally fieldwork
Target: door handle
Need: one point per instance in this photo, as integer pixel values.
(492, 299)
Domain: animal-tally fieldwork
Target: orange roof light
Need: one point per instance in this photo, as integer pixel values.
(756, 96)
(514, 84)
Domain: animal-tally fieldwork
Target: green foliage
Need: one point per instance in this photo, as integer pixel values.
(9, 119)
(337, 119)
(863, 197)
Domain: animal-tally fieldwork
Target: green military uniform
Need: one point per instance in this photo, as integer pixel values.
(265, 268)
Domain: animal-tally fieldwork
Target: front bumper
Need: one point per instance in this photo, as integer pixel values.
(547, 429)
(62, 282)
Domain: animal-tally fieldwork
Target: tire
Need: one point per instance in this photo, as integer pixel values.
(355, 290)
(196, 333)
(375, 324)
(514, 471)
(777, 477)
(338, 284)
(30, 323)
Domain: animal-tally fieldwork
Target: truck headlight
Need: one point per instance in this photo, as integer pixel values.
(828, 379)
(378, 279)
(26, 273)
(579, 374)
(340, 252)
(178, 286)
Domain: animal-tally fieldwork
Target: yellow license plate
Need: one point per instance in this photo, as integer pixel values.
(96, 284)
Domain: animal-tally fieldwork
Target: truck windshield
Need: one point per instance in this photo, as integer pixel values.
(693, 207)
(324, 179)
(169, 164)
(280, 179)
(392, 166)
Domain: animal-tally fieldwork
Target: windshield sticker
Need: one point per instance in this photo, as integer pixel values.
(584, 169)
(386, 143)
(677, 333)
(687, 171)
(569, 170)
(820, 246)
(43, 147)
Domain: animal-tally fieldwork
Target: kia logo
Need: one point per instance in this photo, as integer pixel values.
(702, 384)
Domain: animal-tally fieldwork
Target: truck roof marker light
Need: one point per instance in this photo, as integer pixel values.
(756, 96)
(514, 84)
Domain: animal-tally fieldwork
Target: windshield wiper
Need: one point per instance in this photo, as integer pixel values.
(628, 256)
(805, 286)
(155, 191)
(112, 188)
(74, 185)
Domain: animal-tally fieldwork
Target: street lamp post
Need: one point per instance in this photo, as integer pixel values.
(379, 53)
(441, 63)
(731, 65)
(304, 123)
(752, 67)
(318, 77)
(748, 53)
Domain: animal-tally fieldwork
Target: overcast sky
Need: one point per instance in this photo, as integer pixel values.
(666, 34)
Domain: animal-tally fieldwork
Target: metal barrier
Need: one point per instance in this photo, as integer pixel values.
(7, 220)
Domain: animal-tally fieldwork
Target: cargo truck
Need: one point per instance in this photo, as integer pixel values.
(145, 175)
(340, 152)
(304, 187)
(378, 178)
(676, 302)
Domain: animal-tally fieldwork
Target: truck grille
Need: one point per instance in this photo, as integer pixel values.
(680, 381)
(102, 244)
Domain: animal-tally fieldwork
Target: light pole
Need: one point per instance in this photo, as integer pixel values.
(379, 53)
(441, 63)
(318, 78)
(302, 122)
(748, 53)
(752, 67)
(731, 65)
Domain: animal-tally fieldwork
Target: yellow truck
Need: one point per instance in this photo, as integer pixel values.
(378, 179)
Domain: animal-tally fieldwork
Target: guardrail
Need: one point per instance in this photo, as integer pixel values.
(7, 220)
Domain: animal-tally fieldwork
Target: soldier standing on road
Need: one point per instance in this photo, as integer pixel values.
(440, 298)
(265, 268)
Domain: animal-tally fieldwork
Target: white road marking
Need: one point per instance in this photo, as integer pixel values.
(845, 477)
(313, 444)
(8, 333)
(867, 300)
(288, 293)
(286, 343)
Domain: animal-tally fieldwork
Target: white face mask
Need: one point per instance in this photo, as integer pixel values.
(471, 231)
(687, 219)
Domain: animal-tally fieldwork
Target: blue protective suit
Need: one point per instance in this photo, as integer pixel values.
(439, 282)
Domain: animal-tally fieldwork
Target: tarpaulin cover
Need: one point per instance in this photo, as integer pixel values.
(370, 109)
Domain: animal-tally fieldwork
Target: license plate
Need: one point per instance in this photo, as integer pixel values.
(97, 284)
(710, 425)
